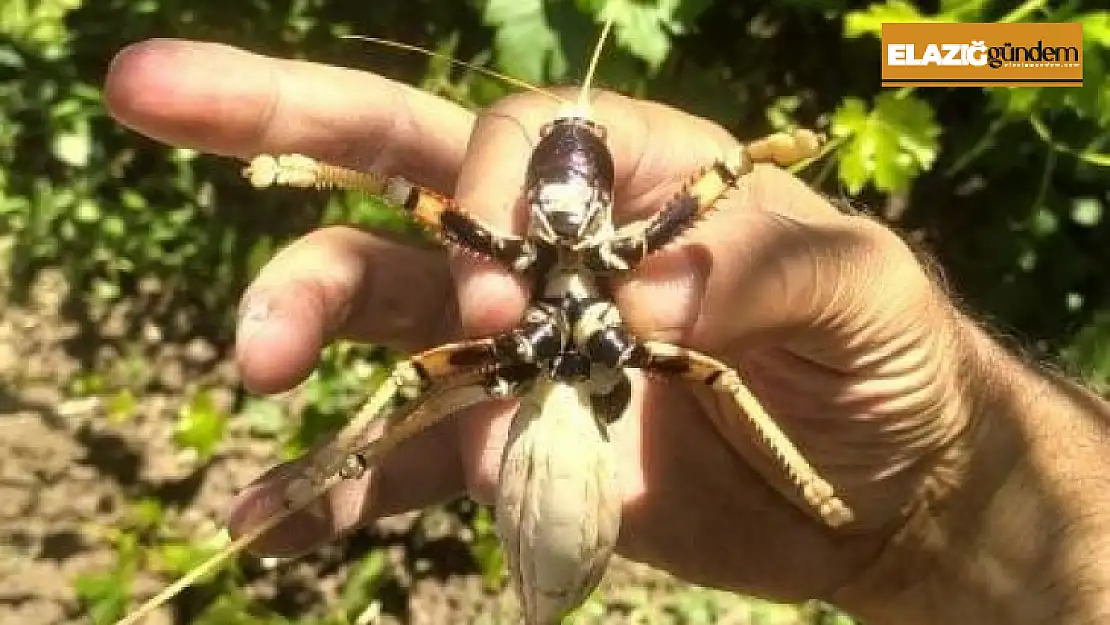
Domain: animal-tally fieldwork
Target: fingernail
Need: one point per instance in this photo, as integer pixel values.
(303, 531)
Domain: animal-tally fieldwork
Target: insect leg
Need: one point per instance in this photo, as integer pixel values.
(671, 360)
(696, 199)
(439, 215)
(420, 392)
(601, 334)
(506, 362)
(399, 399)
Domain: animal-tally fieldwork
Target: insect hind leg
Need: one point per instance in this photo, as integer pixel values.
(601, 334)
(816, 492)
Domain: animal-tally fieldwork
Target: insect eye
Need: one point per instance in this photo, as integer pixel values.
(601, 132)
(595, 129)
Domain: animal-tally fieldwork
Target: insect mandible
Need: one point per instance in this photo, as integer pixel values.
(566, 361)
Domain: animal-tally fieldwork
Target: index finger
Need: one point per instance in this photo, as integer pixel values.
(227, 101)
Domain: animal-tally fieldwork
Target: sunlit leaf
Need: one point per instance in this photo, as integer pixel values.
(121, 406)
(887, 146)
(526, 44)
(265, 417)
(871, 20)
(180, 557)
(364, 582)
(1086, 211)
(1096, 27)
(72, 148)
(200, 425)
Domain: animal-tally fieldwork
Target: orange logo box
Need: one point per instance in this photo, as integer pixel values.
(982, 55)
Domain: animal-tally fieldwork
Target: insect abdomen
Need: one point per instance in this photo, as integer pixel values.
(558, 507)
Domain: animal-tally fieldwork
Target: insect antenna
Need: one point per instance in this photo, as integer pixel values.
(583, 103)
(516, 82)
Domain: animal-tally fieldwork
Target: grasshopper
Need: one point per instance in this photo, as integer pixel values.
(567, 361)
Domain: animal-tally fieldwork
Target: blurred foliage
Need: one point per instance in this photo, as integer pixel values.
(1007, 186)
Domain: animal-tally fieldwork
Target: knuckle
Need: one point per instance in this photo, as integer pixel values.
(879, 261)
(482, 486)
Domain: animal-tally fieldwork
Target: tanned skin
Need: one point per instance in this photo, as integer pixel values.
(977, 480)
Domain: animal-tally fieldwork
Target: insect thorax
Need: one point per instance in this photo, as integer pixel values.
(567, 332)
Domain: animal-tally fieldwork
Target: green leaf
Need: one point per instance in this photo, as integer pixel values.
(526, 45)
(121, 406)
(1016, 101)
(963, 10)
(887, 146)
(72, 148)
(146, 513)
(265, 417)
(364, 582)
(11, 58)
(1043, 222)
(486, 550)
(178, 558)
(237, 608)
(200, 425)
(870, 21)
(1096, 27)
(104, 595)
(88, 384)
(1086, 211)
(645, 27)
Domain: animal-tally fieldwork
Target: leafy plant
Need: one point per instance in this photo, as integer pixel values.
(106, 595)
(888, 146)
(200, 425)
(346, 374)
(486, 550)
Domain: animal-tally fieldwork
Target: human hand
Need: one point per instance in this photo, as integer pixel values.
(830, 318)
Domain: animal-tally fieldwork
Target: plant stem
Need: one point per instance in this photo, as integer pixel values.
(1023, 11)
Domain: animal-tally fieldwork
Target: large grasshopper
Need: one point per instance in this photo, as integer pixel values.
(567, 361)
